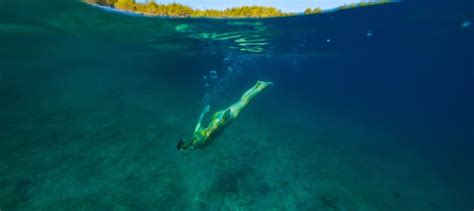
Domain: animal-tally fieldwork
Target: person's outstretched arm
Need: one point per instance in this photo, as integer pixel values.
(203, 113)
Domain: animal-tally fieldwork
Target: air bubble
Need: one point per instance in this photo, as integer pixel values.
(369, 33)
(466, 24)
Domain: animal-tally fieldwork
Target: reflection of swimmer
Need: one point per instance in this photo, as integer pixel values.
(221, 119)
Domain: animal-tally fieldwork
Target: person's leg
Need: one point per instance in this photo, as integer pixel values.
(203, 113)
(236, 108)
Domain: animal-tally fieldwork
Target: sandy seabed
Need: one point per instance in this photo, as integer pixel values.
(106, 150)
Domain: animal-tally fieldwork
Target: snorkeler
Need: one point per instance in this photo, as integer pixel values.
(221, 119)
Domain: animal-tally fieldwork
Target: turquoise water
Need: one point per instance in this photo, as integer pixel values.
(372, 109)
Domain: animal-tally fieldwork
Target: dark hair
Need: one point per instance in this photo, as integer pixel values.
(180, 144)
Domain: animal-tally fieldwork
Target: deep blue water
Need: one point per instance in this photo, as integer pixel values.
(372, 109)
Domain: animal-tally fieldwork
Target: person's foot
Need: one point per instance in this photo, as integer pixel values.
(206, 109)
(263, 84)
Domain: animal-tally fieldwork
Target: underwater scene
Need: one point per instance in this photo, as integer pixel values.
(363, 109)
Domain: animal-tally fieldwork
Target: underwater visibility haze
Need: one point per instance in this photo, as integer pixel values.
(370, 109)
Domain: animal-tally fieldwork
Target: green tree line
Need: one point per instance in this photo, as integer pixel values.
(313, 11)
(363, 4)
(179, 10)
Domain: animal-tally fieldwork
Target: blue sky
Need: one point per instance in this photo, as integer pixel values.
(284, 5)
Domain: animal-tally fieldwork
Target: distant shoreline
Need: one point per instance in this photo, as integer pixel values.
(176, 10)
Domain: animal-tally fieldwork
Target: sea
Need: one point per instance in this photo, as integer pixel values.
(371, 109)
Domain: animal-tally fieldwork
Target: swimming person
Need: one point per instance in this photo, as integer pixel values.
(221, 119)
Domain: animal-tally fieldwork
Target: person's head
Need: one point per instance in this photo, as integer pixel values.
(184, 146)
